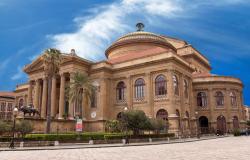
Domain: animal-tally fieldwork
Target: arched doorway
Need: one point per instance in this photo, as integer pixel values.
(221, 125)
(235, 123)
(163, 114)
(203, 122)
(21, 103)
(119, 116)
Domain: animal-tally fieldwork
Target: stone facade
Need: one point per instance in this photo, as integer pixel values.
(163, 76)
(7, 103)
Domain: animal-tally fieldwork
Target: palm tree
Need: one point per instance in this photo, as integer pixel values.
(52, 60)
(81, 87)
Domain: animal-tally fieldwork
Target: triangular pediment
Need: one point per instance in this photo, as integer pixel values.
(38, 64)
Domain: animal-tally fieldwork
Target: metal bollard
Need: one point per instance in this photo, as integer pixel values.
(21, 144)
(91, 142)
(124, 141)
(56, 143)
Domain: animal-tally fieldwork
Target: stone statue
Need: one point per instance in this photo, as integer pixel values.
(30, 110)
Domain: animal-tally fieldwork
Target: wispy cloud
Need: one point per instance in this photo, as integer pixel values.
(96, 31)
(19, 74)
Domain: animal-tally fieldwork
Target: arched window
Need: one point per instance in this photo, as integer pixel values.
(188, 120)
(94, 98)
(162, 114)
(160, 85)
(176, 85)
(187, 114)
(233, 99)
(20, 104)
(139, 88)
(201, 99)
(185, 88)
(120, 91)
(219, 98)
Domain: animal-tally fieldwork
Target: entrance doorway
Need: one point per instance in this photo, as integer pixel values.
(235, 123)
(221, 125)
(203, 122)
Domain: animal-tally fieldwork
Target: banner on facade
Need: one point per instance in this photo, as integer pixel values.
(79, 125)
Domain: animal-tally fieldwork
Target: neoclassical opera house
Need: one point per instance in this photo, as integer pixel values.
(164, 77)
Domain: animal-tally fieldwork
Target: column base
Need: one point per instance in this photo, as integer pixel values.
(71, 118)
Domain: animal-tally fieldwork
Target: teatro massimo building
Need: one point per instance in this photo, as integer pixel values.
(163, 76)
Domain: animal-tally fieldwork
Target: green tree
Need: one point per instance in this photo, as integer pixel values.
(80, 88)
(24, 127)
(158, 125)
(248, 123)
(52, 59)
(113, 126)
(135, 120)
(5, 127)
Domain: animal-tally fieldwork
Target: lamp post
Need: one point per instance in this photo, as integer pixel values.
(15, 112)
(197, 124)
(126, 129)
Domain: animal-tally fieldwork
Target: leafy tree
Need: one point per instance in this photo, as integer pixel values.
(52, 60)
(5, 127)
(113, 126)
(24, 127)
(135, 120)
(158, 125)
(248, 123)
(81, 86)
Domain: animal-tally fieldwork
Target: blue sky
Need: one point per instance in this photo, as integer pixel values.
(217, 28)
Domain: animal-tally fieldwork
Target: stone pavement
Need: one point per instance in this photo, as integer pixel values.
(230, 148)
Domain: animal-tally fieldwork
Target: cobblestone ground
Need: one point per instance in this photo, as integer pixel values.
(232, 148)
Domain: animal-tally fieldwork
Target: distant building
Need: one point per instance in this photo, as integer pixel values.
(165, 77)
(7, 102)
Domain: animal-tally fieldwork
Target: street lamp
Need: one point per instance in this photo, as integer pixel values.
(15, 112)
(197, 124)
(126, 129)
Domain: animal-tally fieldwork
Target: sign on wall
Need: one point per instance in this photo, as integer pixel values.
(79, 126)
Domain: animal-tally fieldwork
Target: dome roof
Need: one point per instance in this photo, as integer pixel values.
(140, 37)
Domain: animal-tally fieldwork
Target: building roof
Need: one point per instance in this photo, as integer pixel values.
(139, 37)
(7, 94)
(137, 54)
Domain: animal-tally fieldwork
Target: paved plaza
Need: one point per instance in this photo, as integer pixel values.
(231, 148)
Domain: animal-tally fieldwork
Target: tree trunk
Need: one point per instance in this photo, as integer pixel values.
(49, 105)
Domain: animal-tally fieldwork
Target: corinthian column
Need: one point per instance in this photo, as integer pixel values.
(30, 93)
(71, 104)
(62, 97)
(36, 98)
(44, 98)
(53, 97)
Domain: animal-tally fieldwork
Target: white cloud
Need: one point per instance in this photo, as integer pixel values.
(19, 74)
(96, 31)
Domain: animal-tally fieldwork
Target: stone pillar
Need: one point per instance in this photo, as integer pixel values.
(129, 92)
(29, 93)
(71, 104)
(62, 97)
(53, 97)
(228, 107)
(44, 98)
(36, 97)
(211, 105)
(173, 118)
(149, 94)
